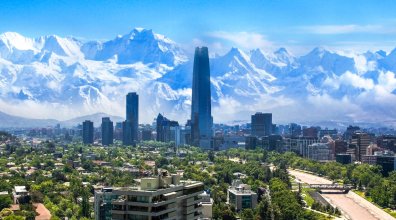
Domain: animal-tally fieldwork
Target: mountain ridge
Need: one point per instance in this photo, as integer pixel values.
(57, 77)
(13, 121)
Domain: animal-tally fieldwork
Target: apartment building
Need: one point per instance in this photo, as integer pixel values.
(162, 197)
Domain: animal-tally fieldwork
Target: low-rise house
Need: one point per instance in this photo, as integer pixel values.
(20, 195)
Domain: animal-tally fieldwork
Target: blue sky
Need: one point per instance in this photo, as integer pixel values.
(269, 24)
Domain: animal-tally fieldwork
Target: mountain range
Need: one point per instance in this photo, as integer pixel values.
(11, 121)
(63, 78)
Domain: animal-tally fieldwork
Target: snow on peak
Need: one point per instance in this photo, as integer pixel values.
(382, 53)
(141, 33)
(140, 45)
(281, 50)
(95, 75)
(14, 40)
(62, 46)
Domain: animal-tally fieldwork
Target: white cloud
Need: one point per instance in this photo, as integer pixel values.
(244, 40)
(349, 79)
(214, 47)
(356, 81)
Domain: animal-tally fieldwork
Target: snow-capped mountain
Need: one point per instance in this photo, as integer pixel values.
(57, 77)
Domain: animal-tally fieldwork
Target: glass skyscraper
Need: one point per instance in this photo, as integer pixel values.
(130, 126)
(107, 131)
(201, 116)
(261, 124)
(88, 132)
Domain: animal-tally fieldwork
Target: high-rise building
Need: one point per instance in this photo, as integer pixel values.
(147, 134)
(340, 146)
(88, 132)
(131, 124)
(127, 138)
(161, 197)
(201, 116)
(318, 151)
(167, 130)
(361, 140)
(294, 130)
(261, 124)
(118, 131)
(107, 131)
(251, 142)
(310, 132)
(350, 131)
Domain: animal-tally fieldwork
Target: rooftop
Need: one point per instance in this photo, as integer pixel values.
(20, 189)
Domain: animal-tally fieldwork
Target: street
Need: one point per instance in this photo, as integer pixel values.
(352, 205)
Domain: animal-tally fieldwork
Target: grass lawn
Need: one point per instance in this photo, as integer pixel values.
(322, 216)
(307, 198)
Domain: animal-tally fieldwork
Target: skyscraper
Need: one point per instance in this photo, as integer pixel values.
(88, 132)
(130, 126)
(261, 124)
(107, 131)
(201, 116)
(167, 130)
(361, 140)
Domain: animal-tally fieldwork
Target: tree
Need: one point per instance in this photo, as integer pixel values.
(211, 156)
(264, 209)
(228, 215)
(285, 199)
(37, 197)
(5, 201)
(14, 217)
(85, 203)
(247, 214)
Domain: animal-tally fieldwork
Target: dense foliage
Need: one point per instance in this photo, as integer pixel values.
(63, 177)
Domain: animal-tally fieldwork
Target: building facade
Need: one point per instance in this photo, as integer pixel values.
(261, 124)
(241, 196)
(167, 130)
(88, 132)
(107, 131)
(161, 197)
(361, 140)
(131, 124)
(251, 142)
(318, 152)
(201, 110)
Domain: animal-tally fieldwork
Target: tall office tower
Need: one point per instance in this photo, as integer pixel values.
(294, 130)
(201, 116)
(350, 131)
(127, 139)
(107, 131)
(88, 132)
(167, 130)
(130, 126)
(261, 124)
(361, 140)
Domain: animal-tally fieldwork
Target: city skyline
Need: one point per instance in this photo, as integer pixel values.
(57, 77)
(204, 110)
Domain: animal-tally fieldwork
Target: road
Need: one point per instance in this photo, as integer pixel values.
(352, 205)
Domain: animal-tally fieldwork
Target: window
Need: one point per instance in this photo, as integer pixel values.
(232, 198)
(246, 202)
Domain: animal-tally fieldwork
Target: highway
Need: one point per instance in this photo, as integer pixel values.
(351, 205)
